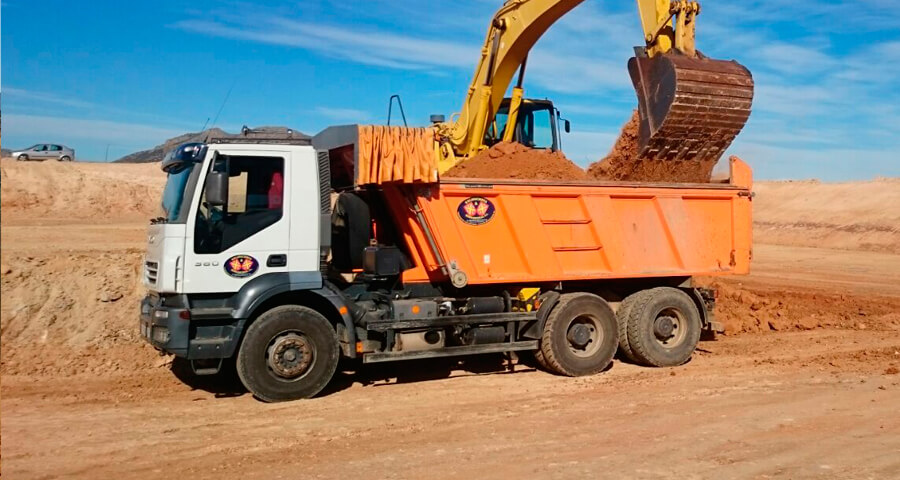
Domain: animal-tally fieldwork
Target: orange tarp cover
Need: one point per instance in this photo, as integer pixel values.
(395, 154)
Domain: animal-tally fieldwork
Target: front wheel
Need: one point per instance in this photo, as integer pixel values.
(22, 158)
(288, 353)
(579, 337)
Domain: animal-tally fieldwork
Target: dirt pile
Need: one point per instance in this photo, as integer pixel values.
(747, 310)
(624, 163)
(79, 191)
(62, 312)
(514, 160)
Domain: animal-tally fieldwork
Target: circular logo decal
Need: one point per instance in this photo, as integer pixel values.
(241, 266)
(476, 210)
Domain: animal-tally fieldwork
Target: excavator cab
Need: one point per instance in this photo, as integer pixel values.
(536, 125)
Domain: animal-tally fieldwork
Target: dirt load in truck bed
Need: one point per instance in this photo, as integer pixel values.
(514, 160)
(623, 163)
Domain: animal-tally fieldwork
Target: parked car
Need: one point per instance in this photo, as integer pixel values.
(45, 151)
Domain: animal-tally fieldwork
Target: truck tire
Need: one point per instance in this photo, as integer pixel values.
(289, 352)
(662, 327)
(622, 324)
(579, 337)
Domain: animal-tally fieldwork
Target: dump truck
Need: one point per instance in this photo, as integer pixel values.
(285, 255)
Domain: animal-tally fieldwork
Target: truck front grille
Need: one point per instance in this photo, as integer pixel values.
(150, 271)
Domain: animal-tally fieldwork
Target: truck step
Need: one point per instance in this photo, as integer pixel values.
(206, 367)
(450, 351)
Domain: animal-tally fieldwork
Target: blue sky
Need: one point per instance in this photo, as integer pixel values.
(124, 76)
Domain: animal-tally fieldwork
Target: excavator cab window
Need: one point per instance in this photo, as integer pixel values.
(536, 125)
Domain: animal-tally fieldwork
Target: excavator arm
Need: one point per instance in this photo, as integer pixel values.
(690, 106)
(513, 30)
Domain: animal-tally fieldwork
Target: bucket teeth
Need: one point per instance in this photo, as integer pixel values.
(690, 108)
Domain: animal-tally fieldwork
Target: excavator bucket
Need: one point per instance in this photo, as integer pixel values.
(690, 108)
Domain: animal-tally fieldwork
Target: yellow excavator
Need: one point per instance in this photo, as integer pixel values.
(691, 107)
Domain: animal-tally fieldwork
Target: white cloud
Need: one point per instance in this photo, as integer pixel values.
(562, 62)
(366, 47)
(350, 115)
(13, 93)
(47, 127)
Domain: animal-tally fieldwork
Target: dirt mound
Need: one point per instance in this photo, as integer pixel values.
(745, 309)
(623, 163)
(99, 192)
(514, 160)
(60, 312)
(850, 216)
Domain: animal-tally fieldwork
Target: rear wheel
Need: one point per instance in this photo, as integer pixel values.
(65, 158)
(288, 353)
(662, 326)
(621, 321)
(22, 158)
(579, 337)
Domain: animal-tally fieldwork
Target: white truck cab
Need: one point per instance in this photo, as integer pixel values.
(242, 220)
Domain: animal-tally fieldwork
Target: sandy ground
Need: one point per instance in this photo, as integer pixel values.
(806, 384)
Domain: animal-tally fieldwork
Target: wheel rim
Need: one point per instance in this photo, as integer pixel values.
(670, 327)
(584, 336)
(289, 356)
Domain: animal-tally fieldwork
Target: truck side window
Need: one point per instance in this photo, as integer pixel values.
(253, 182)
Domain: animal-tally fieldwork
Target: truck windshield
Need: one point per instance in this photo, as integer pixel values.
(173, 194)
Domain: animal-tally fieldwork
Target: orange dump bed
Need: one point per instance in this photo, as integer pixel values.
(526, 232)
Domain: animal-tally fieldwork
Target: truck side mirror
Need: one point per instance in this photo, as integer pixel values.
(217, 189)
(567, 126)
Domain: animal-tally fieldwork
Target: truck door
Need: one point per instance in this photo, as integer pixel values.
(227, 246)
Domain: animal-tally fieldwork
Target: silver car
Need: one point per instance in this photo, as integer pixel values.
(45, 151)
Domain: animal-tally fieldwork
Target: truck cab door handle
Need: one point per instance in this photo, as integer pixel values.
(277, 260)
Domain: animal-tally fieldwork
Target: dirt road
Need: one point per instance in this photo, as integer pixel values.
(817, 404)
(806, 385)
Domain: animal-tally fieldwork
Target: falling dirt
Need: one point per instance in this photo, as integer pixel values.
(624, 163)
(516, 161)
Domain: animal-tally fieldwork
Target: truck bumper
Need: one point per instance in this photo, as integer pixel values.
(171, 327)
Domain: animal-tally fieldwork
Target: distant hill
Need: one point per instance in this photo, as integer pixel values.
(157, 153)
